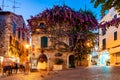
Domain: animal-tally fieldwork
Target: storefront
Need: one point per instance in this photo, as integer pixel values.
(103, 59)
(33, 63)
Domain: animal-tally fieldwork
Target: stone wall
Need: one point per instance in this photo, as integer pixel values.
(2, 35)
(7, 20)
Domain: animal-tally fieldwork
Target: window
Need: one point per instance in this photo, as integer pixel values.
(41, 25)
(23, 25)
(17, 44)
(27, 39)
(70, 42)
(14, 28)
(104, 44)
(115, 16)
(44, 42)
(23, 35)
(10, 39)
(19, 34)
(115, 35)
(103, 31)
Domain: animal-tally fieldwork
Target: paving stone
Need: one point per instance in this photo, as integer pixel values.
(81, 73)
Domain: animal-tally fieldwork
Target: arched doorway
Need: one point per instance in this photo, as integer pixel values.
(42, 62)
(71, 61)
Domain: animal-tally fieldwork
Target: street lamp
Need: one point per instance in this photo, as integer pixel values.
(89, 43)
(27, 46)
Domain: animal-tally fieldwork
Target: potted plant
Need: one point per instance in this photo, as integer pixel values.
(58, 64)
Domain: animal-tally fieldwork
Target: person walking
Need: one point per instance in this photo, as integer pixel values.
(27, 67)
(16, 67)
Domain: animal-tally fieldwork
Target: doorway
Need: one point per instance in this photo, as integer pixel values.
(71, 61)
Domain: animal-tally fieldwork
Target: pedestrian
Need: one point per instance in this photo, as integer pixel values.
(16, 67)
(9, 68)
(22, 67)
(27, 67)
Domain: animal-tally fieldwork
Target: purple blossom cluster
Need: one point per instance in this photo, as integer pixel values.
(67, 19)
(107, 24)
(64, 21)
(64, 15)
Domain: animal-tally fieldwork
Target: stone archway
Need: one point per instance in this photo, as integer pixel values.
(42, 61)
(71, 61)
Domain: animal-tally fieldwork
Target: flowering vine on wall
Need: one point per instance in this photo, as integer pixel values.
(62, 21)
(107, 24)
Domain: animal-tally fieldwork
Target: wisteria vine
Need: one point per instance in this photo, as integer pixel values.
(64, 21)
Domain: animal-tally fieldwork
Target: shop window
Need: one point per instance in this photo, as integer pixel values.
(44, 42)
(115, 35)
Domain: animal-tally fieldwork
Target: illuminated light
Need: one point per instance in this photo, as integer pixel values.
(13, 59)
(96, 48)
(1, 59)
(27, 46)
(88, 44)
(104, 56)
(42, 65)
(37, 29)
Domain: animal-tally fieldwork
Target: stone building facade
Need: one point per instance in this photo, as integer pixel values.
(14, 34)
(43, 42)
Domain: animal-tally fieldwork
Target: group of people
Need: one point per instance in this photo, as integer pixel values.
(12, 67)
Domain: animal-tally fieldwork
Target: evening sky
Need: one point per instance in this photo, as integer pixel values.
(28, 8)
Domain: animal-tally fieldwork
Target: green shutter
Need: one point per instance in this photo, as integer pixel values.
(44, 42)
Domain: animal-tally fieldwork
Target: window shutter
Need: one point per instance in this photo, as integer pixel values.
(44, 42)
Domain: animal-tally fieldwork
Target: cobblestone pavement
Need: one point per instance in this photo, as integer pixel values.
(22, 76)
(89, 73)
(81, 73)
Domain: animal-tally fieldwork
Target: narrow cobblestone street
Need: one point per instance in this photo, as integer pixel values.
(81, 73)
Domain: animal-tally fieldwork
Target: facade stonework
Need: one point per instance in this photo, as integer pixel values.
(13, 36)
(49, 51)
(44, 42)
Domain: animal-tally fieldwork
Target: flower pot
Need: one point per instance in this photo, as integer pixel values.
(57, 67)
